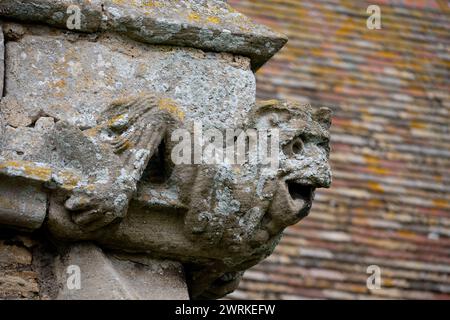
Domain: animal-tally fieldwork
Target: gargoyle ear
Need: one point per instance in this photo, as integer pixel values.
(323, 116)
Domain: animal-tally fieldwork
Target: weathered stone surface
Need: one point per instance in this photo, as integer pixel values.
(17, 280)
(18, 285)
(76, 79)
(119, 276)
(210, 25)
(21, 204)
(40, 173)
(11, 254)
(26, 144)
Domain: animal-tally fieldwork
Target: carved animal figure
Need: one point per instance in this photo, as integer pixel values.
(246, 208)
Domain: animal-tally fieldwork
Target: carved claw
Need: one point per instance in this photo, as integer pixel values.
(123, 143)
(143, 124)
(92, 212)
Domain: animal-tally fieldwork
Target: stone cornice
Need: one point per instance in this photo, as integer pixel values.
(210, 25)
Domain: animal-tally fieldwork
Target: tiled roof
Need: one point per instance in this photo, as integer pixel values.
(389, 204)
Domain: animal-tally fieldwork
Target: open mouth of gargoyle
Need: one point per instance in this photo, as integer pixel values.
(302, 196)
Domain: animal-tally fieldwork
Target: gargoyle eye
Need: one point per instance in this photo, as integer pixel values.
(294, 147)
(297, 146)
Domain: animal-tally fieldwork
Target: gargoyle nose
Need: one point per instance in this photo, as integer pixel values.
(322, 178)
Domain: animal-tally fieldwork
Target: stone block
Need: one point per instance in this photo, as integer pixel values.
(109, 276)
(22, 205)
(76, 79)
(11, 254)
(18, 285)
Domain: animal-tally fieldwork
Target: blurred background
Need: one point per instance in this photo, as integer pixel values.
(389, 204)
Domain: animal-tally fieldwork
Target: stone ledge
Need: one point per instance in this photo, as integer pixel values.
(210, 25)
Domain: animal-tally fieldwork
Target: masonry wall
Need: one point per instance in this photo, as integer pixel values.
(389, 204)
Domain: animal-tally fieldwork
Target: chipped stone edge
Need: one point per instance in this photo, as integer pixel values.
(41, 173)
(36, 174)
(259, 44)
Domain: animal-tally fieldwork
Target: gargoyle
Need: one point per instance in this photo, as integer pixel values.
(261, 202)
(230, 216)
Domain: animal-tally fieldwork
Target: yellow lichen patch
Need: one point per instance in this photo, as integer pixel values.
(143, 4)
(151, 3)
(116, 121)
(41, 173)
(70, 180)
(10, 164)
(126, 145)
(91, 132)
(214, 20)
(132, 2)
(170, 106)
(194, 17)
(28, 169)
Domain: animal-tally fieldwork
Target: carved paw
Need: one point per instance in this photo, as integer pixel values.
(95, 210)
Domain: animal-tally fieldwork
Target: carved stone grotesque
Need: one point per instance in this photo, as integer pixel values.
(88, 124)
